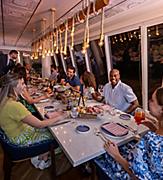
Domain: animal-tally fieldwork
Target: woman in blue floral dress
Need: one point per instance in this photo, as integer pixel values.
(142, 160)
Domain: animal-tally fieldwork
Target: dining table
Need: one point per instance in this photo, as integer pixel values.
(82, 146)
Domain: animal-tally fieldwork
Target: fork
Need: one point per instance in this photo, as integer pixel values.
(128, 127)
(98, 133)
(134, 131)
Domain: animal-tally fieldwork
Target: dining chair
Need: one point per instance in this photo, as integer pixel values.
(15, 153)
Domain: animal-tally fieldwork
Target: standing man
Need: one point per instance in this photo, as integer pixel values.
(7, 62)
(119, 95)
(71, 79)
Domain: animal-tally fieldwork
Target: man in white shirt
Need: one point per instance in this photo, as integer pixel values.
(119, 95)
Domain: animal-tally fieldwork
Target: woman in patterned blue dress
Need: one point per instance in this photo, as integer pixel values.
(142, 160)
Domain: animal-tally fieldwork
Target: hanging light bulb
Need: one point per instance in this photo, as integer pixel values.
(60, 38)
(157, 31)
(121, 38)
(57, 48)
(40, 46)
(44, 43)
(72, 33)
(149, 33)
(139, 36)
(86, 32)
(101, 41)
(43, 55)
(65, 45)
(83, 50)
(54, 40)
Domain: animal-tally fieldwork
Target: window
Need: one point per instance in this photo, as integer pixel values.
(155, 57)
(126, 57)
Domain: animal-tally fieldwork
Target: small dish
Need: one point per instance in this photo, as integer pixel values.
(125, 116)
(82, 129)
(49, 108)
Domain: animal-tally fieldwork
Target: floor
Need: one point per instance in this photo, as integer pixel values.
(25, 171)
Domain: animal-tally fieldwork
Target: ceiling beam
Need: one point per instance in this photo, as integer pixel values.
(3, 27)
(21, 33)
(16, 48)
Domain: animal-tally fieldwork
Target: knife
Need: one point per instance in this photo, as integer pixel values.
(60, 123)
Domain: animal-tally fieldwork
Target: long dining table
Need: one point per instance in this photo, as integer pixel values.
(80, 147)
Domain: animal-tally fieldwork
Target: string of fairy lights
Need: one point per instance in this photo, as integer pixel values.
(153, 32)
(57, 40)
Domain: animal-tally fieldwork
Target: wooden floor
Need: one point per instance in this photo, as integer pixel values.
(25, 171)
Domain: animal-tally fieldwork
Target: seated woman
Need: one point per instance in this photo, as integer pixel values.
(25, 97)
(143, 160)
(88, 79)
(20, 126)
(54, 73)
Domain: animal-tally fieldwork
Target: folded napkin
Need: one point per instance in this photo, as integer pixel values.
(115, 128)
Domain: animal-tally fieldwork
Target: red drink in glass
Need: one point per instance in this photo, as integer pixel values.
(139, 116)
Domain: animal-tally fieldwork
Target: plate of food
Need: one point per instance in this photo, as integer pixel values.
(87, 113)
(114, 130)
(56, 86)
(49, 108)
(125, 116)
(87, 116)
(62, 88)
(43, 100)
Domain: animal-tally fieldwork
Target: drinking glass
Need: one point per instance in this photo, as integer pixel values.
(100, 89)
(74, 112)
(139, 116)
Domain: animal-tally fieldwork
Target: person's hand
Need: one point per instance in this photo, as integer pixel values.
(67, 84)
(63, 82)
(153, 126)
(47, 95)
(112, 149)
(62, 115)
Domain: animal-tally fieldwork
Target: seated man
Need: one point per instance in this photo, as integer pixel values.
(71, 79)
(119, 94)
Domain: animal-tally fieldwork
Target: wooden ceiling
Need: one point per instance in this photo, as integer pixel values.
(19, 17)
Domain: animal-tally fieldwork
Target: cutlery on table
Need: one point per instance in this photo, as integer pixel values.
(60, 123)
(103, 138)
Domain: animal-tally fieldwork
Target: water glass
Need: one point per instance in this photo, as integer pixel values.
(74, 112)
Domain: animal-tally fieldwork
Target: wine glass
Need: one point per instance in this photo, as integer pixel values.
(138, 116)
